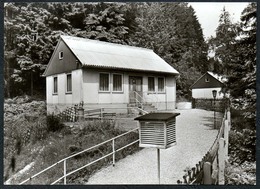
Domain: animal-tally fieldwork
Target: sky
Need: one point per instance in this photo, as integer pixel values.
(208, 14)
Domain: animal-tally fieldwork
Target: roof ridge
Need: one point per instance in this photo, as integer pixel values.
(103, 42)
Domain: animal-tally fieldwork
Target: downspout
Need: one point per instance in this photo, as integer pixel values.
(81, 83)
(81, 87)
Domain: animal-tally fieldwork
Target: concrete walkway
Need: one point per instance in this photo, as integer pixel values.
(195, 135)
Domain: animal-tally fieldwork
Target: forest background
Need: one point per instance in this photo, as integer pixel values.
(172, 30)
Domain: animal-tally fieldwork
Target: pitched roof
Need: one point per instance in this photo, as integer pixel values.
(220, 79)
(93, 53)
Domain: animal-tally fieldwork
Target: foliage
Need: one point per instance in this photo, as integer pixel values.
(223, 44)
(163, 27)
(242, 146)
(235, 57)
(29, 138)
(241, 174)
(54, 123)
(32, 31)
(243, 89)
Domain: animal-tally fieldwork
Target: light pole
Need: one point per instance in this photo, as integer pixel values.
(214, 93)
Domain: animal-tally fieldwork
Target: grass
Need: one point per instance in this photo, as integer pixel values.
(47, 148)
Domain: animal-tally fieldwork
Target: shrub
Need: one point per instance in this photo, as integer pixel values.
(54, 123)
(242, 145)
(241, 174)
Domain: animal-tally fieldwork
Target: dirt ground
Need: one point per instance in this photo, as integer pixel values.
(195, 135)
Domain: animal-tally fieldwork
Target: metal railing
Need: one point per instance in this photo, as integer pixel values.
(143, 100)
(64, 161)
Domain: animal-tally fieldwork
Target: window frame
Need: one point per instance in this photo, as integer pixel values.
(55, 92)
(122, 83)
(163, 91)
(149, 91)
(68, 92)
(61, 55)
(99, 90)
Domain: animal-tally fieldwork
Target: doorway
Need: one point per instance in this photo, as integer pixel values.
(135, 86)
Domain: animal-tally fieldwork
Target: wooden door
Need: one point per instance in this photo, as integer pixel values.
(135, 85)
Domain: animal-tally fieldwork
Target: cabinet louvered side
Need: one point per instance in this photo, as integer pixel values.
(171, 132)
(152, 134)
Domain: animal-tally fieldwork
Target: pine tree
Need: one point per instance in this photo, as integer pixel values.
(173, 32)
(242, 81)
(222, 44)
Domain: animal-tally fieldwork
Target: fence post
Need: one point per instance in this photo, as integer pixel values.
(226, 129)
(114, 155)
(221, 161)
(229, 118)
(65, 172)
(207, 173)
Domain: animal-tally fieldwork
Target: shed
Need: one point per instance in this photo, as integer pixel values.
(107, 75)
(208, 82)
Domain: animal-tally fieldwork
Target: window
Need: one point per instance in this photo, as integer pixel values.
(161, 84)
(117, 82)
(206, 79)
(55, 85)
(61, 55)
(151, 84)
(103, 82)
(69, 83)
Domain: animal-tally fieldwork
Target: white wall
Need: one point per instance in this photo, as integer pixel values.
(63, 98)
(206, 93)
(161, 100)
(87, 90)
(92, 95)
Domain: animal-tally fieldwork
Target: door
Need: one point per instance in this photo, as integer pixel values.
(135, 89)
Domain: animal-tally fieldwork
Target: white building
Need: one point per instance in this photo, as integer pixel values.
(107, 75)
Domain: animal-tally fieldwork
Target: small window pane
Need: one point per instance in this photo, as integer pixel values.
(161, 84)
(117, 82)
(151, 84)
(104, 82)
(55, 85)
(61, 55)
(69, 83)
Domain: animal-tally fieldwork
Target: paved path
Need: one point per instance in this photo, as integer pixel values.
(194, 138)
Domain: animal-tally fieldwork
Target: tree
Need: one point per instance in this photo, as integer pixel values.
(223, 43)
(242, 81)
(33, 29)
(172, 30)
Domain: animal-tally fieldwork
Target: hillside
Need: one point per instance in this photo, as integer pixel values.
(31, 144)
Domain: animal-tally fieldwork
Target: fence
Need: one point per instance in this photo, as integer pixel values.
(210, 170)
(210, 104)
(64, 161)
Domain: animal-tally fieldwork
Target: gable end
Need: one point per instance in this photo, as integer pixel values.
(207, 81)
(58, 65)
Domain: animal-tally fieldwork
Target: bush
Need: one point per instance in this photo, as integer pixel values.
(241, 174)
(242, 146)
(54, 123)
